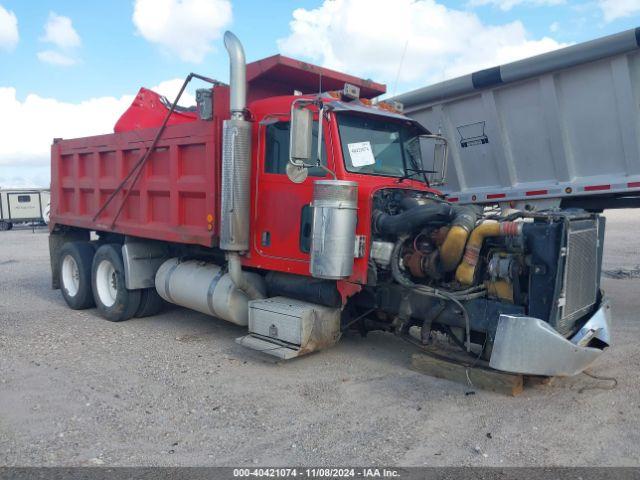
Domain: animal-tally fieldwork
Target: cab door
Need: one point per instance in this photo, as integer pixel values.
(282, 211)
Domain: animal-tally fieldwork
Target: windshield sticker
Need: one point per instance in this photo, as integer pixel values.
(361, 154)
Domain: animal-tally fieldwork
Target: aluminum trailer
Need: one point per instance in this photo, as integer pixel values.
(557, 129)
(23, 206)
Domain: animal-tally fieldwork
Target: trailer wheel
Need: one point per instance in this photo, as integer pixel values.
(4, 226)
(75, 274)
(114, 301)
(150, 303)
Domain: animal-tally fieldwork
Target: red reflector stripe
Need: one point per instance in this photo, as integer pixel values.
(453, 199)
(633, 184)
(496, 195)
(592, 188)
(536, 192)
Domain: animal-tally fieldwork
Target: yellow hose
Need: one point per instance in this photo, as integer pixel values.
(453, 247)
(490, 228)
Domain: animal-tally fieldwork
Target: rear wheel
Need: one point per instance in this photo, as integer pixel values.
(75, 274)
(150, 303)
(4, 226)
(114, 301)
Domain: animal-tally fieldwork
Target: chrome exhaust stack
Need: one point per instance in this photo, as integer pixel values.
(236, 155)
(236, 171)
(237, 75)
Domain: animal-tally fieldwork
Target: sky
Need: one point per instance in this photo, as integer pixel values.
(70, 68)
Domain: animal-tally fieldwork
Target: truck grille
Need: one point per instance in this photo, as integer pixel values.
(580, 276)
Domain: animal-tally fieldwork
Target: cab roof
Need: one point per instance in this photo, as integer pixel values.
(279, 75)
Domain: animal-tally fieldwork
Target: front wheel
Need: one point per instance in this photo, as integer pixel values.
(113, 300)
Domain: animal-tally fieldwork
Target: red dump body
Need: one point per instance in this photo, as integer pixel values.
(177, 196)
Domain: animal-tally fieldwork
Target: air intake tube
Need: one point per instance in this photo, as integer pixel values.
(413, 219)
(465, 273)
(463, 223)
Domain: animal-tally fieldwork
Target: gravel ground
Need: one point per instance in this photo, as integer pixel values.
(176, 390)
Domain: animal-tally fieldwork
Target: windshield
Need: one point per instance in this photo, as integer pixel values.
(379, 146)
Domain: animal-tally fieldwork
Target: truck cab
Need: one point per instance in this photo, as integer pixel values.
(281, 208)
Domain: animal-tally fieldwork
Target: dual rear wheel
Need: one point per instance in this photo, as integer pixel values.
(95, 277)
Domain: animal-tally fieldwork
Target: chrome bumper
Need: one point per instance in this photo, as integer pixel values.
(530, 346)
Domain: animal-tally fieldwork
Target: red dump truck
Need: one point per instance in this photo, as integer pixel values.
(294, 205)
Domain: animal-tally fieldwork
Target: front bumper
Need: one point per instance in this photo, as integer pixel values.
(530, 346)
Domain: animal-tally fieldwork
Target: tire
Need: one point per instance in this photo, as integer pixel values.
(150, 303)
(4, 226)
(113, 300)
(75, 262)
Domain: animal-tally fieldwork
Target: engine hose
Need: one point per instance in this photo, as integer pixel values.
(462, 218)
(465, 273)
(412, 219)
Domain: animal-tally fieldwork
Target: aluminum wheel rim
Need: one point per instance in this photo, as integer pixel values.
(106, 283)
(70, 276)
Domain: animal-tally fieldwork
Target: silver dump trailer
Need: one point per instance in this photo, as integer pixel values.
(560, 129)
(23, 206)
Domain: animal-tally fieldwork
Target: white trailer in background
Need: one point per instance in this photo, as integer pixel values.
(23, 206)
(560, 129)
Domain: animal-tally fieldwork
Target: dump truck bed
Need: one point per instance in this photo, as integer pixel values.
(176, 192)
(561, 124)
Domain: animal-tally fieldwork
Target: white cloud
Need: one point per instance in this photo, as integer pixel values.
(352, 35)
(554, 27)
(615, 9)
(59, 31)
(186, 28)
(56, 58)
(507, 5)
(30, 125)
(8, 29)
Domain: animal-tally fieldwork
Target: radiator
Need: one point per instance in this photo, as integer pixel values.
(580, 274)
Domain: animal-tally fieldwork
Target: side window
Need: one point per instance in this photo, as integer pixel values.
(277, 149)
(24, 198)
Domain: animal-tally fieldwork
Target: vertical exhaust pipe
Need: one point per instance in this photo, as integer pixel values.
(236, 155)
(237, 75)
(236, 171)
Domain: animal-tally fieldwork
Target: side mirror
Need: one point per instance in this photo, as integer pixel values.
(438, 164)
(301, 136)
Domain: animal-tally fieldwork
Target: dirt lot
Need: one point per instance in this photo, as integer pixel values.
(176, 390)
